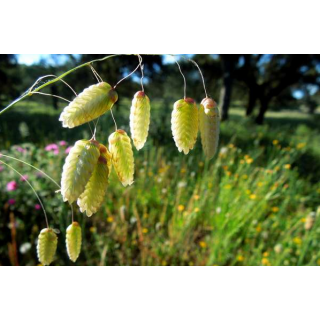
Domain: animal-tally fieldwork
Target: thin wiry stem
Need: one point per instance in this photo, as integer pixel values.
(114, 120)
(51, 95)
(142, 72)
(28, 92)
(42, 172)
(30, 165)
(96, 74)
(54, 76)
(129, 75)
(34, 191)
(184, 79)
(202, 77)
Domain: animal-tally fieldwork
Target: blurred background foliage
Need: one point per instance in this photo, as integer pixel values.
(255, 204)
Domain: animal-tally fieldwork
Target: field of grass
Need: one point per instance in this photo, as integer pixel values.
(256, 203)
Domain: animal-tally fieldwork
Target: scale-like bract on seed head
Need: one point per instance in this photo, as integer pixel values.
(92, 198)
(78, 169)
(209, 126)
(122, 156)
(140, 119)
(184, 124)
(89, 105)
(47, 246)
(73, 241)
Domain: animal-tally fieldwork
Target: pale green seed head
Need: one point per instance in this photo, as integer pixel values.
(89, 105)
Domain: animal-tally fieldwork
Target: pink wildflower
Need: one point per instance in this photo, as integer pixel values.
(20, 149)
(11, 202)
(62, 143)
(52, 147)
(12, 185)
(37, 207)
(24, 177)
(68, 150)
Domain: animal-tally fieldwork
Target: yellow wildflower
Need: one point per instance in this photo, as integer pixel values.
(258, 228)
(301, 145)
(265, 262)
(266, 254)
(260, 184)
(145, 230)
(249, 161)
(275, 209)
(229, 173)
(180, 207)
(275, 142)
(240, 258)
(93, 229)
(196, 197)
(228, 186)
(303, 220)
(253, 196)
(196, 210)
(297, 241)
(231, 146)
(202, 244)
(287, 166)
(110, 219)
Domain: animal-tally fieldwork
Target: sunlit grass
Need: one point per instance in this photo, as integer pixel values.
(251, 205)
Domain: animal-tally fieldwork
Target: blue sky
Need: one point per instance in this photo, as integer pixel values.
(35, 58)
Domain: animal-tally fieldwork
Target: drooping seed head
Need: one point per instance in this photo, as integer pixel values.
(47, 246)
(209, 126)
(184, 124)
(122, 156)
(93, 196)
(89, 105)
(78, 168)
(73, 241)
(140, 119)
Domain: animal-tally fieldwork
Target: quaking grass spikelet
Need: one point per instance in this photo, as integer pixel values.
(47, 246)
(92, 198)
(78, 168)
(89, 105)
(122, 156)
(209, 126)
(184, 124)
(73, 241)
(140, 119)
